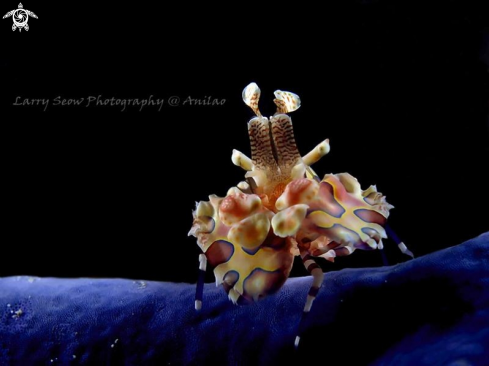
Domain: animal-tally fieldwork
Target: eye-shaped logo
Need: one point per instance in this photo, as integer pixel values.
(20, 17)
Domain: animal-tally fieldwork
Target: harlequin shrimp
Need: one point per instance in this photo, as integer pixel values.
(283, 209)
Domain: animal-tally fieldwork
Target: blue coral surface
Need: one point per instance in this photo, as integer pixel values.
(433, 310)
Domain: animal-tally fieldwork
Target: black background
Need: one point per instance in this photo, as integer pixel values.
(400, 88)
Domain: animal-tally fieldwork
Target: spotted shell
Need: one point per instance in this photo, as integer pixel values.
(236, 236)
(340, 218)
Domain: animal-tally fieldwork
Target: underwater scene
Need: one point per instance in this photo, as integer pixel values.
(183, 187)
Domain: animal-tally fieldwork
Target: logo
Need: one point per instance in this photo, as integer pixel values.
(20, 17)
